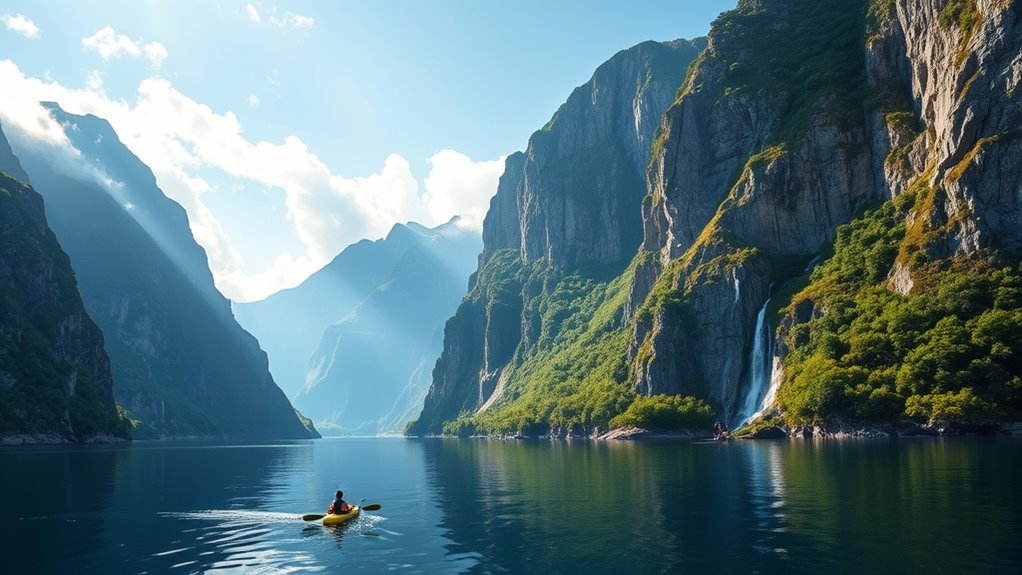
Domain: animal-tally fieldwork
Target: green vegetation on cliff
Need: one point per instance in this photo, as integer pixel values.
(666, 412)
(949, 350)
(813, 55)
(569, 375)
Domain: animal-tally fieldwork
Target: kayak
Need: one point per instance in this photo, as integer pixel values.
(342, 518)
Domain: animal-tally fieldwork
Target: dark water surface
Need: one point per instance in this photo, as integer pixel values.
(474, 506)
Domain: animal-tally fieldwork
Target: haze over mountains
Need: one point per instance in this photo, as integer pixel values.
(366, 328)
(354, 344)
(181, 364)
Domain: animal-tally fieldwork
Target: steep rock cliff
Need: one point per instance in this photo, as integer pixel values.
(568, 206)
(182, 366)
(885, 97)
(55, 378)
(760, 159)
(937, 342)
(797, 118)
(573, 197)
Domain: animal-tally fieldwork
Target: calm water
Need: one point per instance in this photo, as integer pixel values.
(469, 506)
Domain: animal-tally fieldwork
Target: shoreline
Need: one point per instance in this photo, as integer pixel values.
(839, 431)
(15, 439)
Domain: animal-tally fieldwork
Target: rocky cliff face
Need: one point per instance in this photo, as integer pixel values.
(573, 197)
(55, 378)
(964, 64)
(182, 366)
(796, 117)
(571, 201)
(761, 162)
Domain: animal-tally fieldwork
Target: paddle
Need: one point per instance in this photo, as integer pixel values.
(315, 516)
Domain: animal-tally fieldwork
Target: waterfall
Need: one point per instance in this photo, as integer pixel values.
(734, 275)
(762, 368)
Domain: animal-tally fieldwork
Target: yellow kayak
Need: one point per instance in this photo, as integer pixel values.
(343, 518)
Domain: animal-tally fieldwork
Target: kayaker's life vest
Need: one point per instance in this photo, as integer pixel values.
(339, 507)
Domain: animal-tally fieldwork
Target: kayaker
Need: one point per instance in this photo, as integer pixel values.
(339, 506)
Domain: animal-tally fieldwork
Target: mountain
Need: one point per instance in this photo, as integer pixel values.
(353, 344)
(181, 365)
(829, 235)
(55, 380)
(565, 221)
(880, 139)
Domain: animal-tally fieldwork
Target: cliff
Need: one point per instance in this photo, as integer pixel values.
(867, 103)
(573, 197)
(832, 176)
(181, 365)
(761, 158)
(916, 314)
(568, 206)
(55, 380)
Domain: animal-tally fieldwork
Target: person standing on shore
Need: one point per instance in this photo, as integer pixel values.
(719, 431)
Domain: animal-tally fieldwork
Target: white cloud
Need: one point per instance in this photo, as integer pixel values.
(20, 109)
(292, 20)
(458, 185)
(287, 272)
(253, 14)
(21, 24)
(184, 141)
(253, 100)
(156, 53)
(110, 44)
(94, 82)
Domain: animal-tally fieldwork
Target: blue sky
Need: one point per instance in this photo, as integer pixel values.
(399, 109)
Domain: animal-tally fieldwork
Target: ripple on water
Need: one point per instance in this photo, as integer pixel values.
(247, 541)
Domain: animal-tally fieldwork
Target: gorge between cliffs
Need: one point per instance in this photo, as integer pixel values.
(807, 222)
(698, 286)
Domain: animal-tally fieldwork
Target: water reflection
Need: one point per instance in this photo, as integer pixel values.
(458, 506)
(760, 507)
(518, 506)
(766, 498)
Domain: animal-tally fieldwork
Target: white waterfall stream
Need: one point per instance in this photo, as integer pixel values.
(761, 369)
(764, 366)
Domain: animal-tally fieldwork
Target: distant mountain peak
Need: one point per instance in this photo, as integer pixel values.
(445, 229)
